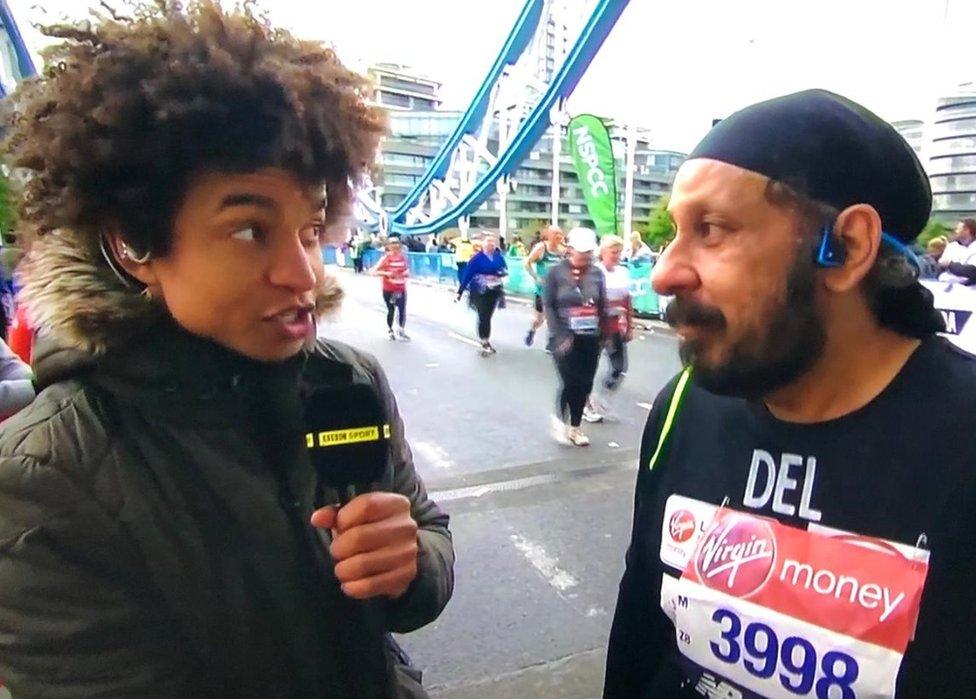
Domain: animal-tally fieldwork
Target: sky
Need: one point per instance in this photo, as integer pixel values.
(669, 65)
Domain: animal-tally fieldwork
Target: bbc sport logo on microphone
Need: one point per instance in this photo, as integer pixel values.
(353, 435)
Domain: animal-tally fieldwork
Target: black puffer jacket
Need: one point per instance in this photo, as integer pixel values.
(154, 535)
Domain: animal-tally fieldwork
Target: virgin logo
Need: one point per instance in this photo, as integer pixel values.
(682, 526)
(736, 556)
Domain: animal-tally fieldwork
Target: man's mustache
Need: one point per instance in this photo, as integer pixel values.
(687, 312)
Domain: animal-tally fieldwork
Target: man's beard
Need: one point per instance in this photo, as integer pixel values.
(791, 338)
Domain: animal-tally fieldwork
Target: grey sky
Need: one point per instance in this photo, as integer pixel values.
(671, 65)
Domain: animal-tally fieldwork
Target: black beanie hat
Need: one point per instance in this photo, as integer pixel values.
(830, 149)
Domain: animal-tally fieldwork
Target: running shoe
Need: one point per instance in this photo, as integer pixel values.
(392, 334)
(486, 349)
(602, 404)
(403, 335)
(591, 415)
(530, 337)
(576, 436)
(560, 431)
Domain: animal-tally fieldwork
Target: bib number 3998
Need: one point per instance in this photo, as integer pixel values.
(761, 653)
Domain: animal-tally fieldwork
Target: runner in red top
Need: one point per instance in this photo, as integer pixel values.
(20, 335)
(394, 268)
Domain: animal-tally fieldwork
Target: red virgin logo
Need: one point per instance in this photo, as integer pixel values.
(682, 526)
(737, 554)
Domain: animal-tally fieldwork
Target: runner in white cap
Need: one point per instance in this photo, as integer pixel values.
(619, 329)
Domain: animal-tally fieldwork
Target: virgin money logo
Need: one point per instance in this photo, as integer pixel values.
(736, 556)
(682, 526)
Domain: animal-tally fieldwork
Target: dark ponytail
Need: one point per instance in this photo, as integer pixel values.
(898, 300)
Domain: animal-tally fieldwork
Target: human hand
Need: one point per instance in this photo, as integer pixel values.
(374, 544)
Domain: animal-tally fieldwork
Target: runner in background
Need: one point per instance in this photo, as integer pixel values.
(483, 278)
(463, 252)
(394, 268)
(21, 335)
(517, 248)
(575, 305)
(795, 533)
(546, 253)
(357, 248)
(958, 261)
(619, 329)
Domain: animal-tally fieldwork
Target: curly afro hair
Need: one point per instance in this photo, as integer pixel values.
(130, 108)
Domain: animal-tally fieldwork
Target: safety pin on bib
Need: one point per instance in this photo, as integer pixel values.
(921, 548)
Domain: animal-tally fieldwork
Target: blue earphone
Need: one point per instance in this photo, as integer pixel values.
(831, 251)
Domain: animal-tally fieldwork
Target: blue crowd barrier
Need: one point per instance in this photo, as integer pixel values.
(440, 266)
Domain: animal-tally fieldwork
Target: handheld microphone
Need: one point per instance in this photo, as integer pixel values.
(347, 438)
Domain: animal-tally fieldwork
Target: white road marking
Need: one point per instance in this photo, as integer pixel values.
(544, 563)
(434, 453)
(477, 491)
(645, 406)
(432, 365)
(465, 340)
(613, 445)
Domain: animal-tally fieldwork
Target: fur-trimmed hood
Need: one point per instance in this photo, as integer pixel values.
(77, 302)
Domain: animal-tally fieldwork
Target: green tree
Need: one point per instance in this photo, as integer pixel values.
(7, 218)
(933, 229)
(528, 230)
(660, 228)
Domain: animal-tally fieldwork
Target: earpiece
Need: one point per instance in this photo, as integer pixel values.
(831, 251)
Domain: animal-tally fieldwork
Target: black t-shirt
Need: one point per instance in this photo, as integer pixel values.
(900, 467)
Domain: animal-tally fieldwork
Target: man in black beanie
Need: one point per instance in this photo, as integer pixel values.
(793, 535)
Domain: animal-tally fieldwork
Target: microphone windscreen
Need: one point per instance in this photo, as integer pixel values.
(346, 435)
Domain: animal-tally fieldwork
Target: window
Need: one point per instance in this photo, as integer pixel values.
(955, 163)
(575, 209)
(400, 180)
(952, 128)
(394, 100)
(954, 201)
(962, 145)
(404, 159)
(410, 85)
(419, 103)
(531, 190)
(963, 110)
(953, 183)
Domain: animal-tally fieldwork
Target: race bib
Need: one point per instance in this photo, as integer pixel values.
(767, 610)
(617, 317)
(583, 320)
